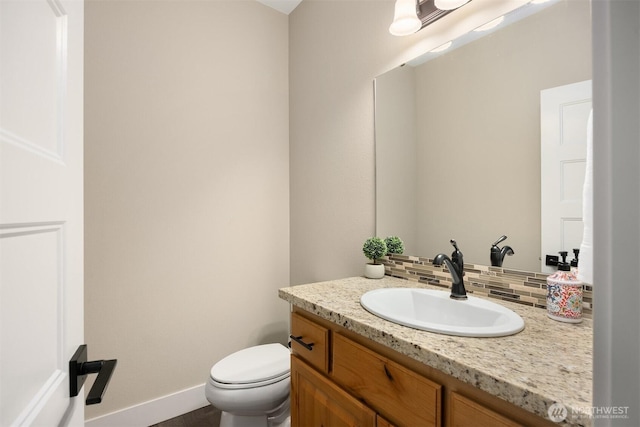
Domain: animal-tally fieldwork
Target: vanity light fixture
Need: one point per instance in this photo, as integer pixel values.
(405, 18)
(450, 4)
(491, 24)
(413, 15)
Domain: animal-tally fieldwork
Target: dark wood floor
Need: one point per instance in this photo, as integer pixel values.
(203, 417)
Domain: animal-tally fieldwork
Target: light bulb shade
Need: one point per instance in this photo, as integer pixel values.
(449, 4)
(405, 19)
(442, 47)
(491, 24)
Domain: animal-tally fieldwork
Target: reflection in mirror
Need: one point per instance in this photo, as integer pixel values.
(458, 136)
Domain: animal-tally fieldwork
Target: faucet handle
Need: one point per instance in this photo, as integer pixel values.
(501, 239)
(457, 258)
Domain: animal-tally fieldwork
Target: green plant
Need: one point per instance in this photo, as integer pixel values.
(374, 248)
(394, 245)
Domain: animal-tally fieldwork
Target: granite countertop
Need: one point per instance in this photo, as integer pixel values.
(547, 362)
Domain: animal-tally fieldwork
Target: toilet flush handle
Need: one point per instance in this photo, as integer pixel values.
(308, 346)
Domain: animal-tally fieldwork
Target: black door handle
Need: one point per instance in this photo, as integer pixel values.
(79, 368)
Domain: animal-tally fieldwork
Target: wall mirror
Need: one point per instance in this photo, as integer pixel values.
(458, 135)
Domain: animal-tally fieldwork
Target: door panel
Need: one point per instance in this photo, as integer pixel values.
(33, 84)
(564, 112)
(31, 260)
(41, 212)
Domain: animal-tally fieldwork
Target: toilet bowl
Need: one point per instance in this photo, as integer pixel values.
(251, 387)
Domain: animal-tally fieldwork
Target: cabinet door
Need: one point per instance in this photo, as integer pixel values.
(402, 396)
(467, 413)
(315, 401)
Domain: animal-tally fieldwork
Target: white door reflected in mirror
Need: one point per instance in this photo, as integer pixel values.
(564, 113)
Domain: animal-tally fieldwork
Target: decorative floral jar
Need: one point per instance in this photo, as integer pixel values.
(564, 297)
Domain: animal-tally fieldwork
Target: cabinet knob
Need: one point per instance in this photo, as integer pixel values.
(387, 373)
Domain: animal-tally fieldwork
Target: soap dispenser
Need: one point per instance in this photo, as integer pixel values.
(575, 260)
(564, 293)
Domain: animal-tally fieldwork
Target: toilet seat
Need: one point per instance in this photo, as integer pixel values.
(232, 386)
(257, 366)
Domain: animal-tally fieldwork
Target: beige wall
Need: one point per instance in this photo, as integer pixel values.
(187, 188)
(336, 50)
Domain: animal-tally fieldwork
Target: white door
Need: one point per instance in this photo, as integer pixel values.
(41, 209)
(564, 112)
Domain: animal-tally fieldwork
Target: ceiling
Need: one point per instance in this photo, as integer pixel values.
(284, 6)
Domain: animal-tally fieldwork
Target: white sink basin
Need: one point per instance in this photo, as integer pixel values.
(432, 310)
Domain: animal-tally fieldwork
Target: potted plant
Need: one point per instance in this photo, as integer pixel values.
(394, 245)
(374, 248)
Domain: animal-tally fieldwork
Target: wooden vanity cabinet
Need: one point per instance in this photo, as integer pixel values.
(340, 378)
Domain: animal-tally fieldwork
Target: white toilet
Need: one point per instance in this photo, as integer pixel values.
(251, 387)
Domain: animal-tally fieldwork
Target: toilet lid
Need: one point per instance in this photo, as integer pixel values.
(253, 365)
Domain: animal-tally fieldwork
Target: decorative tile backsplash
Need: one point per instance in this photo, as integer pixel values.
(522, 287)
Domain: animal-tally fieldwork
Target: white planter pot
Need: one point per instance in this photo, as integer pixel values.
(374, 271)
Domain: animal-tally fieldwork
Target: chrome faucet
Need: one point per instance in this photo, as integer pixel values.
(455, 265)
(497, 254)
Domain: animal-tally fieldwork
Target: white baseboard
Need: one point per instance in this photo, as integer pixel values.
(154, 411)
